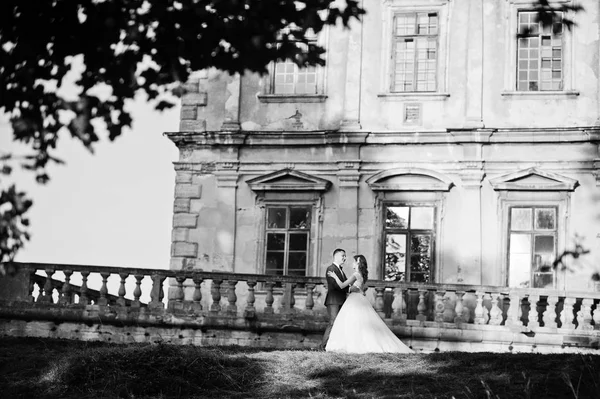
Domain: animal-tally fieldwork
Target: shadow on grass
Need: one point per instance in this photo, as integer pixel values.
(71, 369)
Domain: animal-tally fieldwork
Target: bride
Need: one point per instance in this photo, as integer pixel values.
(358, 328)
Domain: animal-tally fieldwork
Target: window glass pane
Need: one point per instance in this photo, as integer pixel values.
(275, 242)
(420, 262)
(520, 243)
(419, 277)
(545, 218)
(543, 280)
(520, 260)
(397, 217)
(297, 264)
(520, 219)
(543, 252)
(274, 263)
(276, 218)
(299, 218)
(395, 257)
(298, 242)
(421, 218)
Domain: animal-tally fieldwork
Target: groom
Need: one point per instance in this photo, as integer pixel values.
(336, 296)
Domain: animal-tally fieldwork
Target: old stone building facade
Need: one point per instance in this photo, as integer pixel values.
(435, 142)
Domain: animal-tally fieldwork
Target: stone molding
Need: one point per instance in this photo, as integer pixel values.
(518, 181)
(296, 181)
(437, 181)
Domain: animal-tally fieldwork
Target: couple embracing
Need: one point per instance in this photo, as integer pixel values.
(354, 326)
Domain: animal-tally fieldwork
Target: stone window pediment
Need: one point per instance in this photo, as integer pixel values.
(412, 179)
(533, 179)
(288, 180)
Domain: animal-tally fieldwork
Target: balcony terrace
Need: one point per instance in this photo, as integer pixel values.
(214, 308)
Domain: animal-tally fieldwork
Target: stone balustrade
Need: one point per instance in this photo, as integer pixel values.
(257, 303)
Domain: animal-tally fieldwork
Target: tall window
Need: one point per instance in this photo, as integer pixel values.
(415, 52)
(288, 237)
(288, 78)
(409, 240)
(539, 54)
(532, 246)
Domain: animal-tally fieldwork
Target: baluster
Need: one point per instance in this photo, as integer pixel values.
(197, 297)
(292, 296)
(121, 301)
(102, 301)
(179, 294)
(269, 298)
(137, 291)
(157, 292)
(480, 311)
(231, 297)
(48, 287)
(566, 316)
(584, 316)
(83, 298)
(310, 302)
(176, 299)
(40, 287)
(421, 307)
(379, 301)
(398, 305)
(596, 317)
(513, 318)
(549, 316)
(459, 308)
(495, 311)
(32, 286)
(533, 313)
(216, 295)
(66, 296)
(250, 309)
(440, 306)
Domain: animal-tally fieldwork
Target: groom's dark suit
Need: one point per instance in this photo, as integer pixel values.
(335, 298)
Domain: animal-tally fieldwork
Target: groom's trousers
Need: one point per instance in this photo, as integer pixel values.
(333, 311)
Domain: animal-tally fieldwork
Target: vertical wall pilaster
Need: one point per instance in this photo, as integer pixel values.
(475, 54)
(348, 177)
(470, 229)
(224, 238)
(232, 105)
(351, 118)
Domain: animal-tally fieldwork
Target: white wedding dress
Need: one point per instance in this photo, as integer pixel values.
(359, 329)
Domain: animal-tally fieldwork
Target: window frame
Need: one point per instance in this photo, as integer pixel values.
(540, 37)
(511, 59)
(533, 232)
(409, 233)
(269, 95)
(398, 38)
(287, 230)
(393, 7)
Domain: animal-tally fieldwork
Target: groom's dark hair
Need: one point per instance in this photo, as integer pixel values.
(338, 250)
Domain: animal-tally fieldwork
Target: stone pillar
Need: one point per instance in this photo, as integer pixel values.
(469, 230)
(194, 98)
(183, 218)
(475, 50)
(348, 205)
(232, 105)
(224, 237)
(351, 118)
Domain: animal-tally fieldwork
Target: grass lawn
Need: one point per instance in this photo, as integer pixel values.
(49, 368)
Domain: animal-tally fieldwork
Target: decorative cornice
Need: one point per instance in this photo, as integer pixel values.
(437, 181)
(517, 181)
(583, 134)
(296, 181)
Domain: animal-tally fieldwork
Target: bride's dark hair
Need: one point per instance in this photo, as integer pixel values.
(362, 266)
